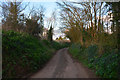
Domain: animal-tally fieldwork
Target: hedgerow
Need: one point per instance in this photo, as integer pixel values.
(105, 65)
(23, 54)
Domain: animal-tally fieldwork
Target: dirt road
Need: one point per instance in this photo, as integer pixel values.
(63, 66)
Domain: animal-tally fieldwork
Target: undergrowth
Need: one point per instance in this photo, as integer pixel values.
(105, 65)
(23, 54)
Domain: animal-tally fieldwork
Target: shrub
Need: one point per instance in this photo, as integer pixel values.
(78, 52)
(106, 65)
(65, 44)
(23, 54)
(92, 52)
(56, 45)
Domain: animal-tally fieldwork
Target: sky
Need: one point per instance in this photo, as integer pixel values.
(50, 6)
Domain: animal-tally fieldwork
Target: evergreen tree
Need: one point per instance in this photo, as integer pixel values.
(50, 34)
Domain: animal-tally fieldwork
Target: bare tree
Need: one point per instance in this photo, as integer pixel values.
(86, 20)
(11, 12)
(35, 21)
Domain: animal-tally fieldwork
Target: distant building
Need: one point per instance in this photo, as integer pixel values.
(60, 39)
(45, 34)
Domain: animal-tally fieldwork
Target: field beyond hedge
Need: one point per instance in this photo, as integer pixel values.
(23, 54)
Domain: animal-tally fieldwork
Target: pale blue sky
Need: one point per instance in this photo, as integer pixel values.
(49, 8)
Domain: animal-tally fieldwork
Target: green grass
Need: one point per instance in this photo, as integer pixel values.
(24, 54)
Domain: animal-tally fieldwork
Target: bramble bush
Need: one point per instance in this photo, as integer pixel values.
(105, 65)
